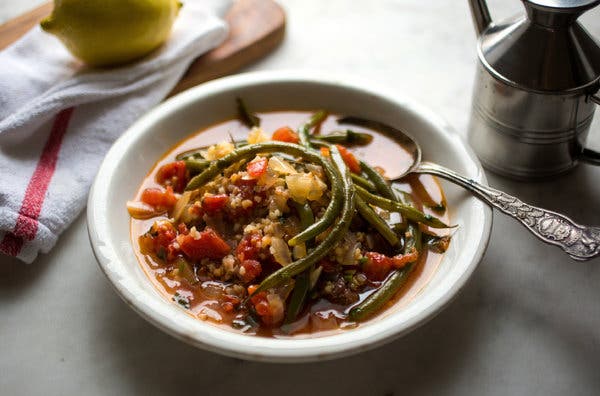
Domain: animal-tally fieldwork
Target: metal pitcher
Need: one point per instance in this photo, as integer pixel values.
(536, 89)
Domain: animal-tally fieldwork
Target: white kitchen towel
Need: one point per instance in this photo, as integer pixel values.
(58, 119)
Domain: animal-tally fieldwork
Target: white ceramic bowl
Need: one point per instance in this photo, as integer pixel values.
(134, 154)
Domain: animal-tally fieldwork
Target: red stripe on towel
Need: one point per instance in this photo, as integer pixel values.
(27, 224)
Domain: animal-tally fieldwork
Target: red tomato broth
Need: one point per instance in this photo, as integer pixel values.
(205, 306)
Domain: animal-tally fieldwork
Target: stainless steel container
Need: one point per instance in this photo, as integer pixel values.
(535, 88)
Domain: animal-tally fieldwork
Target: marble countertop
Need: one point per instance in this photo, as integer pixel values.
(528, 322)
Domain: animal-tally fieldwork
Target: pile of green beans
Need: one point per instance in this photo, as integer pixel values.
(397, 279)
(338, 230)
(350, 193)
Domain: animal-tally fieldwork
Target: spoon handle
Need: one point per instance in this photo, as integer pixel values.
(579, 242)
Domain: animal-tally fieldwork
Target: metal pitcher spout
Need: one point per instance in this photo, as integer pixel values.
(481, 15)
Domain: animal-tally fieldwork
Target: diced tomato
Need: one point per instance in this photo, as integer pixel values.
(214, 203)
(196, 210)
(173, 251)
(252, 289)
(182, 228)
(208, 244)
(261, 305)
(160, 240)
(158, 198)
(249, 247)
(286, 134)
(249, 270)
(377, 266)
(172, 174)
(402, 260)
(349, 158)
(262, 308)
(324, 152)
(257, 167)
(246, 187)
(165, 234)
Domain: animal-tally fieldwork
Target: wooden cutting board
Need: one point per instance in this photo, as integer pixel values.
(256, 28)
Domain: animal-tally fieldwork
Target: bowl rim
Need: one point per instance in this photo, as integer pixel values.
(262, 348)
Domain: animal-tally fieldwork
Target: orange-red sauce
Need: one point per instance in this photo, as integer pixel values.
(383, 152)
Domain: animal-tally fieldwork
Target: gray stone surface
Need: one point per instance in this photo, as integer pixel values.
(526, 324)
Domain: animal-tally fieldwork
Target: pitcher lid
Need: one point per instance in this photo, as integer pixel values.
(545, 50)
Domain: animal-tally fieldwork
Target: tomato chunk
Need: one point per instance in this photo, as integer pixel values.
(172, 174)
(214, 203)
(285, 134)
(377, 266)
(261, 305)
(250, 269)
(351, 162)
(158, 198)
(160, 240)
(249, 247)
(206, 244)
(257, 167)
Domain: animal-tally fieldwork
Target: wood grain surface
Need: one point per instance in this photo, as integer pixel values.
(256, 28)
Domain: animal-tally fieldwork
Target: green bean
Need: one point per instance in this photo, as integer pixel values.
(377, 222)
(405, 210)
(247, 152)
(317, 118)
(337, 232)
(304, 135)
(346, 137)
(196, 165)
(331, 213)
(397, 279)
(435, 243)
(304, 131)
(335, 205)
(381, 184)
(361, 181)
(403, 197)
(193, 153)
(248, 118)
(394, 282)
(302, 281)
(305, 214)
(301, 286)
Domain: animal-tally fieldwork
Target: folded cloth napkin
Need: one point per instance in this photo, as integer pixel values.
(58, 119)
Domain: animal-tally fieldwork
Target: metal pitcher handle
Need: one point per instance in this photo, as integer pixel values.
(587, 155)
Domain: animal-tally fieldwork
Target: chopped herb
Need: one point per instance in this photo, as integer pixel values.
(162, 253)
(182, 300)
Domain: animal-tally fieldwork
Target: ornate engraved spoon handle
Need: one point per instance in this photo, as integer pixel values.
(579, 242)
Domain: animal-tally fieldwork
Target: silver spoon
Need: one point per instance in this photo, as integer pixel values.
(579, 242)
